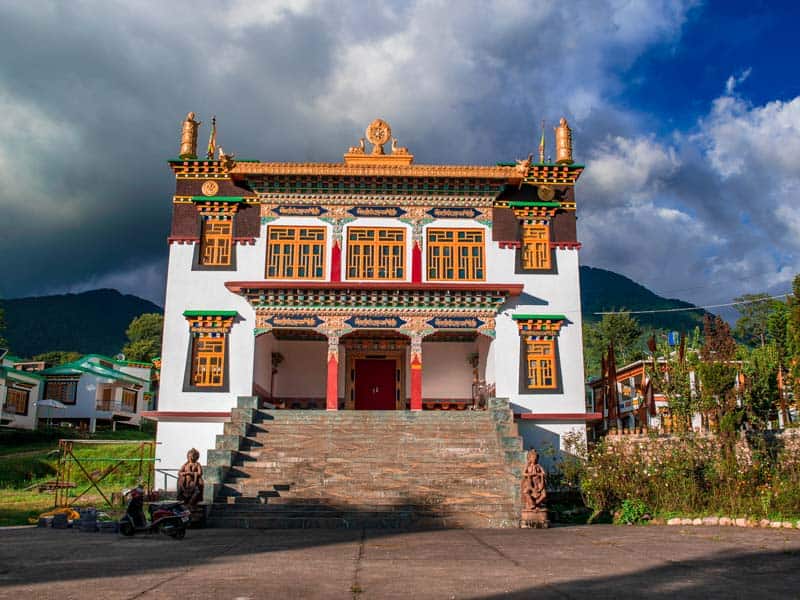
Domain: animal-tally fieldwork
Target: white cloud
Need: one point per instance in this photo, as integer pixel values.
(629, 170)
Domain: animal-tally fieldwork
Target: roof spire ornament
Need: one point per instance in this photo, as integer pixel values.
(563, 143)
(212, 139)
(541, 145)
(378, 133)
(188, 149)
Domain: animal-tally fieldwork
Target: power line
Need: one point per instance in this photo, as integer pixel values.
(672, 310)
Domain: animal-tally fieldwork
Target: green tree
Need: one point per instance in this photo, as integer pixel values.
(753, 324)
(144, 338)
(760, 393)
(3, 341)
(55, 358)
(670, 374)
(793, 338)
(717, 373)
(620, 328)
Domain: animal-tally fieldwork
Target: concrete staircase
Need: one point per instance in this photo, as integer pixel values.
(286, 469)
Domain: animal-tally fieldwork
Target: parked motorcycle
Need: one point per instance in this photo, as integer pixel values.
(169, 518)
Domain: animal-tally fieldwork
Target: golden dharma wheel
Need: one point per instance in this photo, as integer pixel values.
(378, 132)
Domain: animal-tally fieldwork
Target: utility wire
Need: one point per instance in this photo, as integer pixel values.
(671, 310)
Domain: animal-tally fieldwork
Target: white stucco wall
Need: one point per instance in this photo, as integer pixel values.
(262, 361)
(205, 290)
(303, 372)
(175, 438)
(445, 371)
(549, 438)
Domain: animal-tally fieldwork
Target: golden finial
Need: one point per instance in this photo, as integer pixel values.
(541, 145)
(563, 143)
(188, 149)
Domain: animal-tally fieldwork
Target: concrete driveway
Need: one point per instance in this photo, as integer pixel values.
(600, 561)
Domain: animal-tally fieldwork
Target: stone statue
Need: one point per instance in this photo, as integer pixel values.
(534, 493)
(190, 479)
(188, 149)
(563, 143)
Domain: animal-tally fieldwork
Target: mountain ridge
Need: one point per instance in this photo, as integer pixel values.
(87, 322)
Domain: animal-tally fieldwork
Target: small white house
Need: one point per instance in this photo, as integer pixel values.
(20, 392)
(96, 388)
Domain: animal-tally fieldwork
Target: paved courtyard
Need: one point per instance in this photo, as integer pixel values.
(566, 562)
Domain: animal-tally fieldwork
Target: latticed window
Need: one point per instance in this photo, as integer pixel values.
(16, 401)
(455, 254)
(63, 391)
(536, 246)
(295, 252)
(541, 359)
(129, 399)
(376, 253)
(216, 242)
(208, 361)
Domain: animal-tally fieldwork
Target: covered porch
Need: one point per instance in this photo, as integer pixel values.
(373, 347)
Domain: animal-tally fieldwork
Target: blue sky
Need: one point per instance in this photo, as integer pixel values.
(686, 114)
(676, 82)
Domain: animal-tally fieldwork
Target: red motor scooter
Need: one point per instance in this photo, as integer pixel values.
(169, 518)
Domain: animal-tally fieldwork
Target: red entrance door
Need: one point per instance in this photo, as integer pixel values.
(375, 384)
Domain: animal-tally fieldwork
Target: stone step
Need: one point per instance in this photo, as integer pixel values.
(380, 494)
(256, 508)
(356, 521)
(293, 468)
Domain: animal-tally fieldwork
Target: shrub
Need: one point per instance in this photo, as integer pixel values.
(690, 475)
(632, 512)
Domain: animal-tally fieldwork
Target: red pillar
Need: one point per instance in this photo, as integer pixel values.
(336, 261)
(416, 381)
(332, 388)
(416, 264)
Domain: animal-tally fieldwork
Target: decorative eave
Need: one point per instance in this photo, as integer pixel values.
(553, 174)
(373, 297)
(210, 322)
(509, 289)
(505, 173)
(537, 325)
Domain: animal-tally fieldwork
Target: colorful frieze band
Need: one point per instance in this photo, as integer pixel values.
(539, 325)
(375, 322)
(377, 211)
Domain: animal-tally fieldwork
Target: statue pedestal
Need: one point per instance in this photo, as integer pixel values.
(534, 519)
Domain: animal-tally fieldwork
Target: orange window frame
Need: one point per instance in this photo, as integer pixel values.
(208, 361)
(536, 246)
(216, 242)
(456, 254)
(296, 252)
(376, 253)
(541, 364)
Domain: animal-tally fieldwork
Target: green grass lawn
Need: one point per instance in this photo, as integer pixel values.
(30, 459)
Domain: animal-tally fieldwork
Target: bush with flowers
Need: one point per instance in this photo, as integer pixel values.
(689, 475)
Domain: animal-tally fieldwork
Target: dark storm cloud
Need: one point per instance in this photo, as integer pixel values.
(94, 93)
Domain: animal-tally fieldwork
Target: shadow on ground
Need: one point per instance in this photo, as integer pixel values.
(598, 561)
